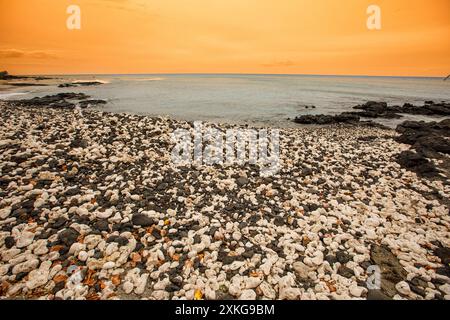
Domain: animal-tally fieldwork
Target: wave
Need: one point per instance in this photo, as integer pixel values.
(93, 80)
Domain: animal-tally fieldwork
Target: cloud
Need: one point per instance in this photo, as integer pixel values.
(33, 54)
(284, 63)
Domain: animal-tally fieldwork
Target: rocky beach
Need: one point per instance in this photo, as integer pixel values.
(92, 207)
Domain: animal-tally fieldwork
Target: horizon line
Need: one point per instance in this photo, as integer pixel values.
(230, 73)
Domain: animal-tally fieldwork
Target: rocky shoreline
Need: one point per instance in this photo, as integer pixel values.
(92, 208)
(374, 109)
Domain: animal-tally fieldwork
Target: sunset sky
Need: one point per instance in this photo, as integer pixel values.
(226, 36)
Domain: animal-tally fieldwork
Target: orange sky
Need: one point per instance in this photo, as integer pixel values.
(226, 36)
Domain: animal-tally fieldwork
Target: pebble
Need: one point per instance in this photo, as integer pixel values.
(109, 265)
(248, 295)
(24, 239)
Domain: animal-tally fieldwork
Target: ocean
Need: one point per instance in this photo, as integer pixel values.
(269, 100)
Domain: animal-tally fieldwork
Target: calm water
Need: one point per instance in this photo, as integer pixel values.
(257, 99)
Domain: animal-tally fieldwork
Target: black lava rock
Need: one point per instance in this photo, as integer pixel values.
(142, 220)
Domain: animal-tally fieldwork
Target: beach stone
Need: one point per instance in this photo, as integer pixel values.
(301, 269)
(248, 295)
(108, 265)
(403, 288)
(345, 272)
(9, 242)
(142, 220)
(37, 278)
(128, 287)
(102, 225)
(25, 266)
(68, 236)
(122, 241)
(25, 239)
(343, 257)
(289, 294)
(252, 282)
(242, 181)
(267, 290)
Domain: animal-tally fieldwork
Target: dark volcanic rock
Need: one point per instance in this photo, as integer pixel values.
(9, 242)
(86, 103)
(345, 272)
(343, 257)
(102, 225)
(68, 236)
(142, 220)
(80, 84)
(57, 101)
(373, 109)
(426, 135)
(444, 254)
(430, 140)
(122, 241)
(416, 161)
(382, 110)
(327, 119)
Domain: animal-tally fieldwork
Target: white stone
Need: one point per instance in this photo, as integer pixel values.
(109, 265)
(403, 288)
(41, 247)
(128, 287)
(236, 265)
(105, 215)
(266, 267)
(83, 256)
(4, 213)
(160, 295)
(267, 290)
(252, 282)
(210, 294)
(39, 277)
(25, 239)
(356, 291)
(445, 288)
(289, 293)
(25, 266)
(75, 248)
(318, 259)
(234, 289)
(248, 295)
(141, 284)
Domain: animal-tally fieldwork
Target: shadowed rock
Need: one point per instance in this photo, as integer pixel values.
(392, 271)
(429, 140)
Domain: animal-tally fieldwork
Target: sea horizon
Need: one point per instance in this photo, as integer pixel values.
(230, 74)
